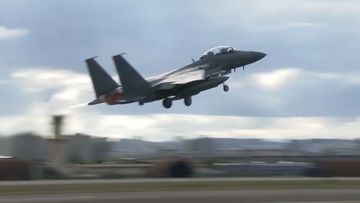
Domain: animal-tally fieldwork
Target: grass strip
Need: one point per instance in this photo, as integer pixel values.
(100, 187)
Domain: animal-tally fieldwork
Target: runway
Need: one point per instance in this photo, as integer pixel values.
(175, 180)
(212, 196)
(209, 190)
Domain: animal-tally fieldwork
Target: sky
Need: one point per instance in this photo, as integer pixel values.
(306, 87)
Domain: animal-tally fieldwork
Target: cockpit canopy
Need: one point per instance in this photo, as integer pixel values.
(217, 51)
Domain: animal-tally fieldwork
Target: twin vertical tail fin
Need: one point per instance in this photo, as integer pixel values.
(102, 81)
(133, 84)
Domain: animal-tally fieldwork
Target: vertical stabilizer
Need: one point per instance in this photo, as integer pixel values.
(102, 81)
(133, 84)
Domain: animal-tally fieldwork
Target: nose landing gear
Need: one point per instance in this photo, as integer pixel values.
(225, 88)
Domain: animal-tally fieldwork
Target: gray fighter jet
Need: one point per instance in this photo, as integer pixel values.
(208, 72)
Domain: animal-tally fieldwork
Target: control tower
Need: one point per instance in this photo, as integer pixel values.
(57, 145)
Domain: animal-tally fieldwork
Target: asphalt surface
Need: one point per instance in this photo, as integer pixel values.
(215, 196)
(339, 194)
(166, 180)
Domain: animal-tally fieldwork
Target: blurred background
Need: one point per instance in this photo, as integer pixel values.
(81, 156)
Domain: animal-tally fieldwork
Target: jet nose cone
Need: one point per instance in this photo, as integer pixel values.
(258, 55)
(262, 55)
(255, 56)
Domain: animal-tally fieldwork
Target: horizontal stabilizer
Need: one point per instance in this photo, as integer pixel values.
(133, 84)
(96, 101)
(102, 81)
(77, 106)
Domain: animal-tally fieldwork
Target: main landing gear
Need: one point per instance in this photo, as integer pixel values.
(187, 101)
(225, 88)
(167, 102)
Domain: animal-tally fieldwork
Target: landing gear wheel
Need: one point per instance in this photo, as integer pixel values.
(167, 103)
(187, 101)
(225, 88)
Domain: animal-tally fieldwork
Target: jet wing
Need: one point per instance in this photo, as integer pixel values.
(180, 77)
(184, 77)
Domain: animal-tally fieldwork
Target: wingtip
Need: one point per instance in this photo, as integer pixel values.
(118, 55)
(96, 101)
(89, 59)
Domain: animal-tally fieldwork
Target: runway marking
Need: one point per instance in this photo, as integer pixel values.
(324, 202)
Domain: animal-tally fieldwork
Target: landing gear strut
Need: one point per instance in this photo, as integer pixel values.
(225, 88)
(187, 101)
(167, 103)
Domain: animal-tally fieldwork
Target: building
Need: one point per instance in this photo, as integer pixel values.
(201, 146)
(5, 149)
(28, 146)
(81, 148)
(323, 147)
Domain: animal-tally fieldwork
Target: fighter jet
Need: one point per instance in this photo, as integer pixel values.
(209, 71)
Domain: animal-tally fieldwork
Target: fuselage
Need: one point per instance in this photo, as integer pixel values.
(214, 66)
(217, 64)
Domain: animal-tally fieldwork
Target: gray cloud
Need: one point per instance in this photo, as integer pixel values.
(163, 35)
(7, 33)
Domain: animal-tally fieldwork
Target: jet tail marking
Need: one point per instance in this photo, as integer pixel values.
(133, 84)
(102, 81)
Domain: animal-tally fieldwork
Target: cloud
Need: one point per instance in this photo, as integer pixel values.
(45, 77)
(8, 33)
(65, 88)
(268, 93)
(279, 13)
(276, 79)
(5, 82)
(281, 78)
(169, 126)
(54, 89)
(305, 25)
(344, 78)
(290, 92)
